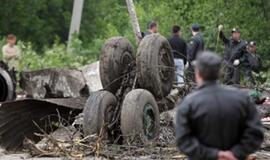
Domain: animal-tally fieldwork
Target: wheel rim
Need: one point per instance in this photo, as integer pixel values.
(149, 121)
(165, 69)
(126, 59)
(109, 114)
(4, 88)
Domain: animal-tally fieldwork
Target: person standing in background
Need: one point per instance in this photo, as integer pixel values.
(179, 48)
(11, 53)
(152, 28)
(235, 48)
(195, 46)
(251, 63)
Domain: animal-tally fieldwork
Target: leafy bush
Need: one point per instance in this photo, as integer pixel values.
(55, 56)
(40, 22)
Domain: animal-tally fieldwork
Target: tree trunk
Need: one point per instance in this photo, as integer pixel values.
(134, 20)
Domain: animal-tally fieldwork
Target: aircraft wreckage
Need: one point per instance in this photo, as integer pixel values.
(49, 95)
(134, 93)
(122, 94)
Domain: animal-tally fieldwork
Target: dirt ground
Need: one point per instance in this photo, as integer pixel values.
(163, 148)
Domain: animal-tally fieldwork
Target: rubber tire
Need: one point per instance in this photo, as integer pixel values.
(116, 55)
(148, 60)
(8, 84)
(95, 111)
(132, 116)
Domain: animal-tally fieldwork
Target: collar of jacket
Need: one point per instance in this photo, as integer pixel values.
(253, 53)
(208, 83)
(196, 34)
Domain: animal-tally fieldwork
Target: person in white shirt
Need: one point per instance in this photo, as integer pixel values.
(11, 52)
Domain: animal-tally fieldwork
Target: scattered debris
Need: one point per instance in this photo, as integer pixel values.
(17, 118)
(52, 115)
(51, 93)
(54, 83)
(69, 142)
(92, 76)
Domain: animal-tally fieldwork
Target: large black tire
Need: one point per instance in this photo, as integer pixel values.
(140, 116)
(155, 65)
(97, 111)
(116, 56)
(7, 89)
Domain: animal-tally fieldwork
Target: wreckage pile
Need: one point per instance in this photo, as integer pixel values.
(50, 94)
(134, 89)
(66, 113)
(69, 142)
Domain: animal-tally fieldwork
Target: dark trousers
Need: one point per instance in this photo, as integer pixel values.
(232, 75)
(190, 74)
(249, 79)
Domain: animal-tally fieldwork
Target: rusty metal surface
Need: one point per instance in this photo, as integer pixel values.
(17, 118)
(54, 83)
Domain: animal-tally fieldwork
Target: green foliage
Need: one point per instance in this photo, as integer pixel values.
(46, 23)
(37, 21)
(55, 56)
(253, 21)
(40, 22)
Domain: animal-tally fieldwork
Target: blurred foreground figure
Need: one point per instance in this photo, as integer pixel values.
(215, 122)
(11, 53)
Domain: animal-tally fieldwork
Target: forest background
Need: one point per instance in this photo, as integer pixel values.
(42, 26)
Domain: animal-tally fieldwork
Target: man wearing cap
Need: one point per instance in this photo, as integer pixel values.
(195, 46)
(234, 51)
(216, 122)
(251, 62)
(179, 48)
(152, 28)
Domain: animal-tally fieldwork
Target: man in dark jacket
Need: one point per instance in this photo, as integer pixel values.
(215, 122)
(251, 62)
(195, 46)
(179, 48)
(234, 51)
(178, 44)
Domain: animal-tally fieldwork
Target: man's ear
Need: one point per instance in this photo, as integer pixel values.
(198, 76)
(196, 72)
